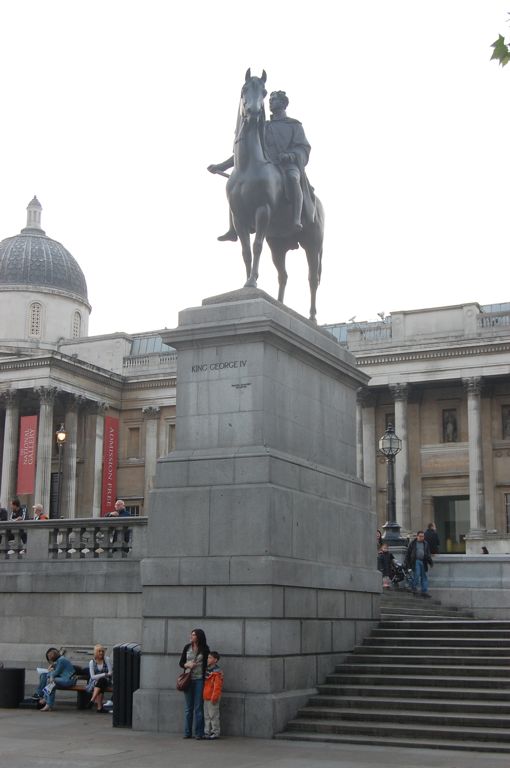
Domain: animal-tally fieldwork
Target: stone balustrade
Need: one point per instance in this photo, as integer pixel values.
(77, 539)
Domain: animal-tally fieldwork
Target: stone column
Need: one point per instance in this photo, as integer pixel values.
(359, 433)
(8, 487)
(98, 410)
(151, 416)
(70, 448)
(45, 439)
(400, 394)
(366, 399)
(473, 387)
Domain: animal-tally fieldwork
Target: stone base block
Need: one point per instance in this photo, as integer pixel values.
(255, 716)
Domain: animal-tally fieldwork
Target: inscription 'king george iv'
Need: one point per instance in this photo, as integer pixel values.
(201, 367)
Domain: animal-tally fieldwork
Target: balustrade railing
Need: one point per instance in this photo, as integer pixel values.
(77, 539)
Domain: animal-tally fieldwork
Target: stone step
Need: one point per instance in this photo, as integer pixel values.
(435, 660)
(491, 653)
(410, 613)
(484, 671)
(411, 640)
(456, 625)
(439, 632)
(453, 704)
(425, 717)
(403, 742)
(411, 692)
(426, 677)
(469, 681)
(409, 730)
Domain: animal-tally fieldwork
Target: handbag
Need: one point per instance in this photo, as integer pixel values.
(184, 680)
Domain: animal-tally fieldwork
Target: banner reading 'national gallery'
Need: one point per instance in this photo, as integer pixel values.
(27, 455)
(110, 456)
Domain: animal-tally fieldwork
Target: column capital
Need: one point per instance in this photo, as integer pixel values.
(473, 385)
(400, 391)
(75, 402)
(47, 395)
(98, 407)
(365, 397)
(9, 397)
(151, 411)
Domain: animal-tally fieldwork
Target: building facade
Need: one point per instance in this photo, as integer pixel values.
(114, 395)
(441, 376)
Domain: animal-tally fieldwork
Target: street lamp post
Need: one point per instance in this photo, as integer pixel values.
(389, 446)
(61, 436)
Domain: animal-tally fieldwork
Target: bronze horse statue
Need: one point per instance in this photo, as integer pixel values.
(258, 203)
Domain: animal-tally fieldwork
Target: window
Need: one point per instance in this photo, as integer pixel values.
(76, 330)
(507, 511)
(35, 320)
(133, 508)
(171, 438)
(389, 420)
(505, 422)
(133, 443)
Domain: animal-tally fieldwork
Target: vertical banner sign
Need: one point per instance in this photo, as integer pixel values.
(110, 455)
(27, 455)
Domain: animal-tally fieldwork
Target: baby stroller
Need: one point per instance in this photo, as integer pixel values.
(401, 577)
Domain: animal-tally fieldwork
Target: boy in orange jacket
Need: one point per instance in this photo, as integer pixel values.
(213, 685)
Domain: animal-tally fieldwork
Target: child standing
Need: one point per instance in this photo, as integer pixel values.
(213, 685)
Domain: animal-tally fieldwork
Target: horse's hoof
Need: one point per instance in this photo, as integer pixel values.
(251, 283)
(230, 235)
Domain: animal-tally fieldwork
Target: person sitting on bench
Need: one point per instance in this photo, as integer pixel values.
(100, 670)
(61, 674)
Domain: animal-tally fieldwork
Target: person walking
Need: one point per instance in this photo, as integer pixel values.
(194, 656)
(418, 560)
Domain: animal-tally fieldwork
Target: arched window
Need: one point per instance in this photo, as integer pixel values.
(76, 325)
(35, 320)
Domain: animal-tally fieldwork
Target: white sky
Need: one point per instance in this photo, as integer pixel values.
(112, 109)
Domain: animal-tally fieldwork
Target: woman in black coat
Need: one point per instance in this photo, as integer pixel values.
(194, 656)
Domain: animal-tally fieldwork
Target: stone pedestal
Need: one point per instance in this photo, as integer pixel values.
(259, 532)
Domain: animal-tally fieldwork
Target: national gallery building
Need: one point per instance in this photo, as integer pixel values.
(440, 376)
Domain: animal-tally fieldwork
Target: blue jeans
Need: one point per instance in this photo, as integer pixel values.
(60, 682)
(43, 679)
(194, 708)
(420, 575)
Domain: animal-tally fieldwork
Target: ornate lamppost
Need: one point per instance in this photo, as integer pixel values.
(61, 436)
(389, 446)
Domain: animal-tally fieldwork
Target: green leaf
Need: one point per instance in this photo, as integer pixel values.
(501, 51)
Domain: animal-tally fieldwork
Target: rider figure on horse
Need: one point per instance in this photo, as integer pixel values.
(287, 147)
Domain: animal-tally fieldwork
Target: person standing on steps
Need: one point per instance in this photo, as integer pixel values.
(432, 538)
(418, 559)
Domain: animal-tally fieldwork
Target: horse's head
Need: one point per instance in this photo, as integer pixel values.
(253, 94)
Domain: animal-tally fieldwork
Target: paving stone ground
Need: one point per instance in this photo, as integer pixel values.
(71, 739)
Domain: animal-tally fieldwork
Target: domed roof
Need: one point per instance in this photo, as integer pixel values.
(32, 258)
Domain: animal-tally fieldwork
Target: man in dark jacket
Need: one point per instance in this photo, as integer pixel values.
(418, 559)
(432, 538)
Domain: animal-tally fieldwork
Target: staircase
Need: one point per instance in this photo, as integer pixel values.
(427, 677)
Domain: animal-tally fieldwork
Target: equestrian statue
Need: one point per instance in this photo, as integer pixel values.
(268, 191)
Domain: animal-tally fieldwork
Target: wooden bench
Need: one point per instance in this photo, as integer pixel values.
(82, 677)
(83, 696)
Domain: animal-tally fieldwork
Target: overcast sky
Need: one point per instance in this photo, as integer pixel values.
(112, 110)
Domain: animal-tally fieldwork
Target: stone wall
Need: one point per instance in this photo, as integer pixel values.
(73, 597)
(479, 584)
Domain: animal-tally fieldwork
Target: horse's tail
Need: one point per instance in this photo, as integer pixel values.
(319, 267)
